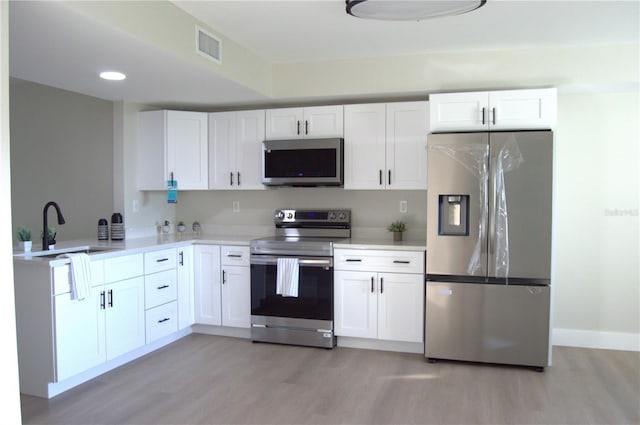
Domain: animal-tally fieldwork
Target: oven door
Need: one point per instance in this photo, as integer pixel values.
(315, 290)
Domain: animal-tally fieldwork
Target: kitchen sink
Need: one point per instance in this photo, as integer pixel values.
(75, 250)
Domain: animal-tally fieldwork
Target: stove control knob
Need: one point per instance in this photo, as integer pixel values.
(332, 216)
(289, 216)
(279, 215)
(342, 216)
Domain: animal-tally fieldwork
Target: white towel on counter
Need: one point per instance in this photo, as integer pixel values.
(287, 277)
(80, 275)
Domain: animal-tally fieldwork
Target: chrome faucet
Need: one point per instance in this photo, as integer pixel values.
(45, 231)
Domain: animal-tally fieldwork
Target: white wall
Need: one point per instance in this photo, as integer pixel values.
(9, 384)
(62, 151)
(597, 271)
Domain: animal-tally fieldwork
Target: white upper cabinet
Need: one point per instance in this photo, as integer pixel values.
(494, 110)
(299, 123)
(386, 145)
(172, 143)
(235, 140)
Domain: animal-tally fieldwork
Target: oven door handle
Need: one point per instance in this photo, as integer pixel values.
(305, 262)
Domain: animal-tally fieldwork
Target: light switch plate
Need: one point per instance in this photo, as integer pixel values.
(403, 207)
(236, 206)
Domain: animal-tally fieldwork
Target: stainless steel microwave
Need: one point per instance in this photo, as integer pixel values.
(303, 162)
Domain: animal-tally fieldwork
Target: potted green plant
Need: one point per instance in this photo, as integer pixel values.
(181, 227)
(196, 228)
(165, 226)
(397, 227)
(51, 237)
(24, 238)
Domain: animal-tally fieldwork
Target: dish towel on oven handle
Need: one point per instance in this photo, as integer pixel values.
(287, 277)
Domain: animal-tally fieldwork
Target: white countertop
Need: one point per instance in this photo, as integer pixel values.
(138, 245)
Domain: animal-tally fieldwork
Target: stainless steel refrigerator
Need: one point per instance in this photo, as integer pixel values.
(489, 209)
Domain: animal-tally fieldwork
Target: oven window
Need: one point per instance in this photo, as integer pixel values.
(280, 163)
(315, 294)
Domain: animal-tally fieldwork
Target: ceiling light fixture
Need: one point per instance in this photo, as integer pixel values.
(112, 75)
(410, 10)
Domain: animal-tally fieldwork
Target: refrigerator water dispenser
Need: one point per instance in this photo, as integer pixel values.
(453, 217)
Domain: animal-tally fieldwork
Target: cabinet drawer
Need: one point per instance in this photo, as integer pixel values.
(123, 267)
(234, 255)
(379, 260)
(161, 321)
(157, 261)
(62, 277)
(160, 288)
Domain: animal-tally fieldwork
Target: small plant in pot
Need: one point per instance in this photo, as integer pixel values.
(24, 237)
(397, 227)
(165, 226)
(181, 227)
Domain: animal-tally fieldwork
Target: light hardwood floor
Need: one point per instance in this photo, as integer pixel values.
(204, 379)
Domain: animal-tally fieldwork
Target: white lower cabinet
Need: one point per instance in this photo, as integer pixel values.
(236, 286)
(124, 316)
(379, 304)
(207, 285)
(107, 324)
(186, 291)
(222, 286)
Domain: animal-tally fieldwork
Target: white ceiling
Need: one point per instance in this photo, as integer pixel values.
(53, 44)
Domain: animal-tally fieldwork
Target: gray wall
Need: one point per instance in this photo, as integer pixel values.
(62, 151)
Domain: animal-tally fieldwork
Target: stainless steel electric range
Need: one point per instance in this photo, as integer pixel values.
(305, 319)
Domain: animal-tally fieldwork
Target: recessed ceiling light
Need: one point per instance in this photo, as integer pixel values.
(410, 10)
(112, 75)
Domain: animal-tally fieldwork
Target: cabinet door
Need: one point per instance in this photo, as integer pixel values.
(523, 109)
(284, 123)
(364, 146)
(124, 316)
(400, 307)
(407, 129)
(459, 111)
(187, 149)
(355, 304)
(207, 285)
(323, 121)
(236, 296)
(186, 296)
(250, 135)
(222, 149)
(150, 158)
(79, 333)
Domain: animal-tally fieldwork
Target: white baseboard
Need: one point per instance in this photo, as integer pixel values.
(376, 344)
(596, 339)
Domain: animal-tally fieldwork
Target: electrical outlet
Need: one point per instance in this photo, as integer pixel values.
(236, 206)
(403, 207)
(135, 206)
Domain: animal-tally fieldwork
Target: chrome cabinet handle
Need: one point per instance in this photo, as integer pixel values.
(372, 289)
(230, 178)
(494, 116)
(483, 109)
(306, 127)
(181, 262)
(166, 319)
(160, 260)
(401, 262)
(162, 287)
(110, 297)
(389, 177)
(298, 128)
(234, 255)
(380, 178)
(102, 300)
(381, 285)
(224, 277)
(238, 173)
(353, 260)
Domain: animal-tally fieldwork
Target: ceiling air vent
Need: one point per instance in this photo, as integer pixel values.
(208, 45)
